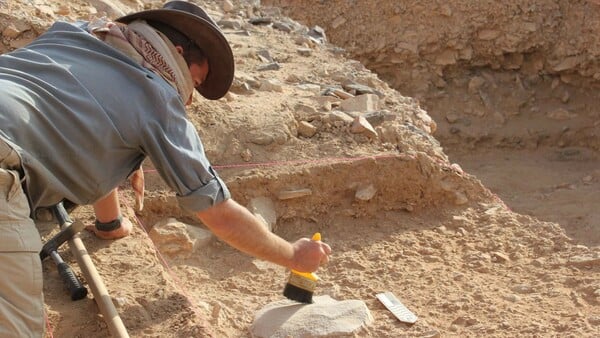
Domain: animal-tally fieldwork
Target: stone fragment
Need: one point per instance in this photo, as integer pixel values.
(365, 193)
(358, 89)
(326, 317)
(361, 103)
(269, 66)
(227, 6)
(246, 155)
(175, 238)
(500, 257)
(264, 209)
(229, 24)
(561, 114)
(265, 56)
(512, 298)
(376, 118)
(318, 34)
(488, 34)
(261, 21)
(304, 51)
(271, 86)
(338, 93)
(361, 125)
(337, 115)
(589, 260)
(289, 194)
(569, 63)
(282, 26)
(309, 87)
(10, 32)
(306, 129)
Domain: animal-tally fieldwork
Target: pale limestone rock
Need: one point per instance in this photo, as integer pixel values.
(306, 129)
(326, 317)
(365, 193)
(500, 257)
(308, 110)
(360, 125)
(337, 115)
(342, 94)
(589, 260)
(271, 86)
(15, 29)
(321, 100)
(289, 194)
(309, 87)
(304, 51)
(488, 34)
(361, 103)
(561, 114)
(228, 6)
(174, 238)
(264, 208)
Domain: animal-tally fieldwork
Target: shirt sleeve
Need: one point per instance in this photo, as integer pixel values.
(174, 146)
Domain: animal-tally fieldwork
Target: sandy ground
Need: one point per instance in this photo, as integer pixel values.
(506, 246)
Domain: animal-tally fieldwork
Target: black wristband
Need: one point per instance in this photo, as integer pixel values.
(109, 226)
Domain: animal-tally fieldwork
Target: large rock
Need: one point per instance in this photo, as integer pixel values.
(326, 317)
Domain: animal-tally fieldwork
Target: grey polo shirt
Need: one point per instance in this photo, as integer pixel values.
(83, 116)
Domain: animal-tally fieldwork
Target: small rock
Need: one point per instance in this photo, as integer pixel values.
(289, 194)
(306, 129)
(271, 86)
(585, 261)
(365, 193)
(246, 155)
(361, 125)
(227, 6)
(269, 66)
(512, 298)
(522, 289)
(561, 114)
(361, 103)
(304, 51)
(264, 208)
(500, 257)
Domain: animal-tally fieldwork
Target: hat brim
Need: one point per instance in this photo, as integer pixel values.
(204, 34)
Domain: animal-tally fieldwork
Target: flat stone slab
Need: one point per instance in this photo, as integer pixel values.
(325, 317)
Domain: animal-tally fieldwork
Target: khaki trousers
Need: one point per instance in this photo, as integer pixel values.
(21, 294)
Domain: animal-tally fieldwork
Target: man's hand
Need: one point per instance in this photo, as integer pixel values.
(309, 255)
(121, 232)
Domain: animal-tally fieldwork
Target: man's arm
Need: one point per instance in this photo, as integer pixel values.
(238, 227)
(108, 209)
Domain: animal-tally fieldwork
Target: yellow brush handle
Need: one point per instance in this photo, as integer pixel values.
(310, 275)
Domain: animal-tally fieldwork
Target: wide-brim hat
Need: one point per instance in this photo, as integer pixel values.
(193, 22)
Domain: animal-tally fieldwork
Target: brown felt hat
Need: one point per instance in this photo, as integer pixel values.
(193, 22)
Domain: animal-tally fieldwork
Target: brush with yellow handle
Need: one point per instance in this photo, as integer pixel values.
(301, 285)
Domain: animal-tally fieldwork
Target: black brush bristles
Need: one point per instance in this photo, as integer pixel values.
(297, 294)
(300, 287)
